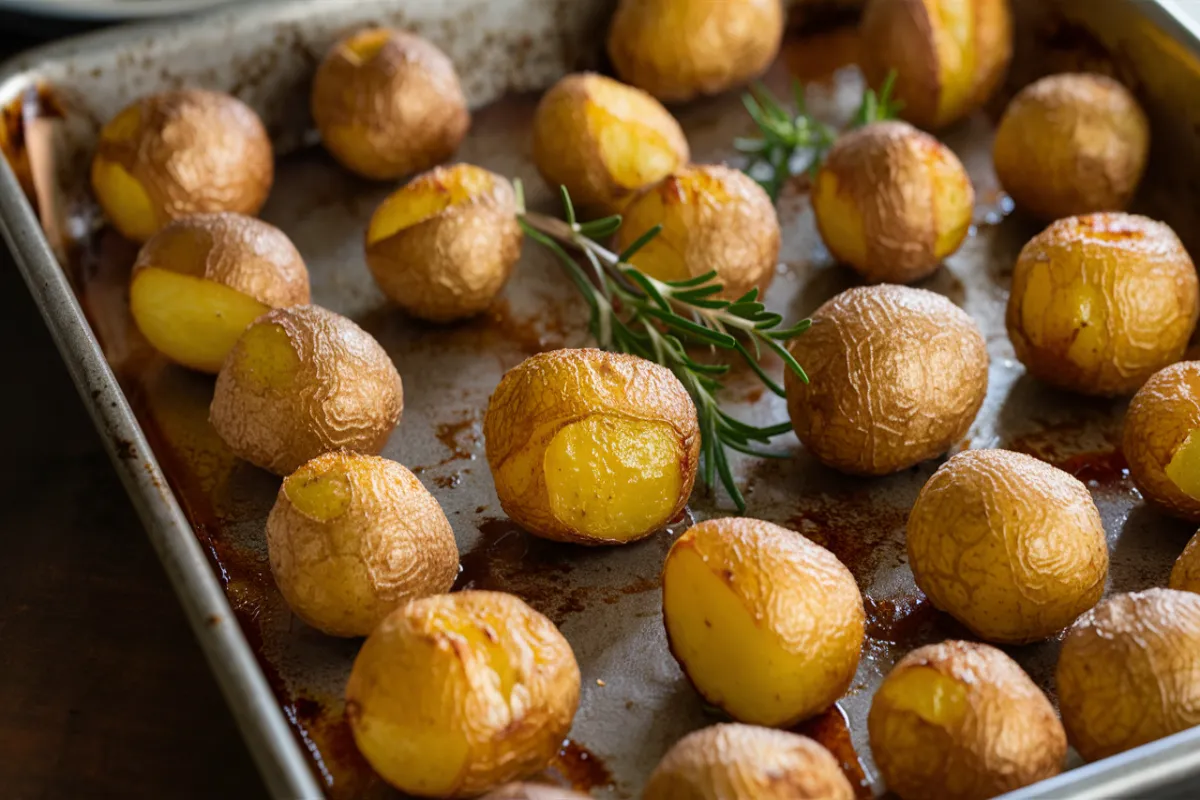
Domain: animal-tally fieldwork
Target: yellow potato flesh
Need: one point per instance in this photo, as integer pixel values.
(953, 23)
(841, 221)
(193, 321)
(1184, 469)
(269, 360)
(323, 497)
(634, 153)
(367, 44)
(422, 200)
(125, 200)
(1075, 313)
(953, 203)
(925, 693)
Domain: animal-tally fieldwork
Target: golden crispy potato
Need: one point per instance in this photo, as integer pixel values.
(898, 375)
(713, 218)
(1101, 302)
(962, 721)
(352, 538)
(1185, 575)
(892, 202)
(744, 762)
(678, 49)
(591, 447)
(1162, 440)
(949, 55)
(178, 153)
(302, 382)
(767, 625)
(533, 791)
(1129, 672)
(1008, 545)
(455, 694)
(388, 104)
(604, 141)
(1071, 144)
(201, 280)
(443, 246)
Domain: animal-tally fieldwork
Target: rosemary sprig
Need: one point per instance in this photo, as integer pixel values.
(634, 313)
(790, 143)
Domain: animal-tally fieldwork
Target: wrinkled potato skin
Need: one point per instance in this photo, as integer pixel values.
(1025, 555)
(1129, 672)
(717, 218)
(897, 376)
(400, 111)
(1008, 737)
(347, 394)
(1185, 575)
(390, 544)
(938, 80)
(895, 177)
(533, 791)
(417, 668)
(679, 49)
(744, 762)
(1138, 277)
(1163, 412)
(1071, 144)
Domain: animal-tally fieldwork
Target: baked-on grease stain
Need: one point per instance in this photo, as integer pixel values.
(831, 729)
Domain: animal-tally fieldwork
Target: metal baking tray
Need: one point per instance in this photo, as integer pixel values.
(204, 510)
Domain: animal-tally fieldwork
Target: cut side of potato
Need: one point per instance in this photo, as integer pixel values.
(421, 200)
(1184, 468)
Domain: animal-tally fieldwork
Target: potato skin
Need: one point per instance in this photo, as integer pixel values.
(1026, 553)
(897, 376)
(679, 49)
(1129, 672)
(385, 542)
(1160, 418)
(909, 194)
(744, 762)
(1185, 575)
(533, 791)
(429, 671)
(1101, 302)
(1071, 144)
(394, 110)
(1003, 735)
(345, 393)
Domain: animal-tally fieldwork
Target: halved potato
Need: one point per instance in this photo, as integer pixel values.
(1162, 440)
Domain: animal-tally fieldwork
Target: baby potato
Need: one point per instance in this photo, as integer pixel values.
(892, 202)
(1162, 440)
(1025, 553)
(898, 375)
(962, 721)
(591, 447)
(1071, 144)
(455, 694)
(353, 537)
(744, 762)
(388, 103)
(201, 280)
(443, 246)
(1101, 302)
(1185, 575)
(713, 218)
(533, 791)
(177, 153)
(604, 141)
(679, 49)
(767, 625)
(301, 382)
(948, 55)
(1129, 672)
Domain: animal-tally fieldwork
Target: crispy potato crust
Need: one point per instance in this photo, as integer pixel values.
(1185, 575)
(897, 377)
(533, 791)
(1163, 417)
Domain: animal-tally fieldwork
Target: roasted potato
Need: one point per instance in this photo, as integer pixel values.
(455, 694)
(1185, 575)
(767, 625)
(679, 49)
(892, 202)
(712, 218)
(178, 153)
(744, 762)
(533, 791)
(1162, 440)
(443, 246)
(1071, 144)
(962, 721)
(1129, 672)
(302, 382)
(591, 447)
(604, 141)
(1008, 545)
(1101, 302)
(352, 538)
(897, 377)
(201, 280)
(388, 103)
